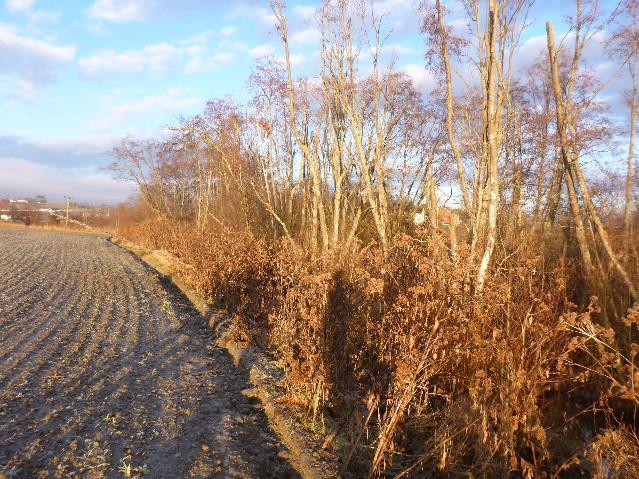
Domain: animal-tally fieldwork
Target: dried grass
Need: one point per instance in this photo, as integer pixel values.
(425, 377)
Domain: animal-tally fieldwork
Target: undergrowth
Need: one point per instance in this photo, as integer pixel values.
(422, 376)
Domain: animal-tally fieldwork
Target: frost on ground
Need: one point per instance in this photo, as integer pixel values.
(107, 372)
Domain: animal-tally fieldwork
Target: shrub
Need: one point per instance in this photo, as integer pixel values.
(425, 376)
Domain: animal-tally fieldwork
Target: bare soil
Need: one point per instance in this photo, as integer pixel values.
(107, 371)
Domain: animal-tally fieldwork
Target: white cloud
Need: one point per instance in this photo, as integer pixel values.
(173, 102)
(228, 31)
(18, 5)
(11, 43)
(80, 147)
(261, 50)
(118, 11)
(594, 54)
(19, 89)
(309, 35)
(305, 12)
(26, 8)
(155, 58)
(386, 7)
(400, 16)
(195, 54)
(264, 16)
(422, 78)
(203, 63)
(297, 59)
(223, 57)
(27, 63)
(397, 49)
(68, 153)
(24, 177)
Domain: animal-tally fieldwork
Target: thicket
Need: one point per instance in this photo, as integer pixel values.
(495, 338)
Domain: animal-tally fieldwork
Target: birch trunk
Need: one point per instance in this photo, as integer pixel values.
(630, 175)
(491, 152)
(580, 231)
(449, 108)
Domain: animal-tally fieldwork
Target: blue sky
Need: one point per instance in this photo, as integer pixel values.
(76, 76)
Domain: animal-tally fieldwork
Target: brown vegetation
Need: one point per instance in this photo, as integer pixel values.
(495, 338)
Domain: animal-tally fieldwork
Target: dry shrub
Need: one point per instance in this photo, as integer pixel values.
(231, 268)
(423, 376)
(465, 375)
(614, 453)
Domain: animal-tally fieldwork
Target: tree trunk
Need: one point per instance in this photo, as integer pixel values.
(574, 174)
(491, 140)
(630, 176)
(449, 108)
(580, 231)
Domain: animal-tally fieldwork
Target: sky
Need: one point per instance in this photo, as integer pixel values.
(77, 76)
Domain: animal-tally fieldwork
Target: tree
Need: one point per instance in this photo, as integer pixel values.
(624, 45)
(566, 124)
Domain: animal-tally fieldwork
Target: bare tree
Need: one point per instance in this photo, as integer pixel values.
(624, 44)
(566, 125)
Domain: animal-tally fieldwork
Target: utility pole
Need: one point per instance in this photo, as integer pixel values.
(68, 198)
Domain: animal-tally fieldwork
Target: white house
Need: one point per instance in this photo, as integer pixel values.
(5, 217)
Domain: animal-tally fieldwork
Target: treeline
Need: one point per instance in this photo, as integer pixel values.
(449, 281)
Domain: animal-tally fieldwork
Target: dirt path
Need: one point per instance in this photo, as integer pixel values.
(106, 372)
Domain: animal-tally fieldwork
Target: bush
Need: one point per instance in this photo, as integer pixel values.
(426, 377)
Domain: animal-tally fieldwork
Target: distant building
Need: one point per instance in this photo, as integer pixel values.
(445, 216)
(5, 217)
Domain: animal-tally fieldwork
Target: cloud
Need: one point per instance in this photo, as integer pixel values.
(397, 49)
(400, 16)
(261, 50)
(18, 5)
(118, 11)
(297, 59)
(306, 36)
(195, 54)
(19, 176)
(26, 8)
(56, 168)
(59, 167)
(228, 31)
(173, 102)
(204, 63)
(19, 89)
(27, 63)
(155, 58)
(62, 153)
(594, 55)
(422, 78)
(13, 43)
(305, 12)
(264, 16)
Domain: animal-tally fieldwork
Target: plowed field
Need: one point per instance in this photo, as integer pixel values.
(106, 371)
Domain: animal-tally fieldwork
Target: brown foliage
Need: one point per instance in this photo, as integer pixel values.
(425, 377)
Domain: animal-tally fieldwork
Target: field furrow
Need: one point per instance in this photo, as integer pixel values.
(96, 379)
